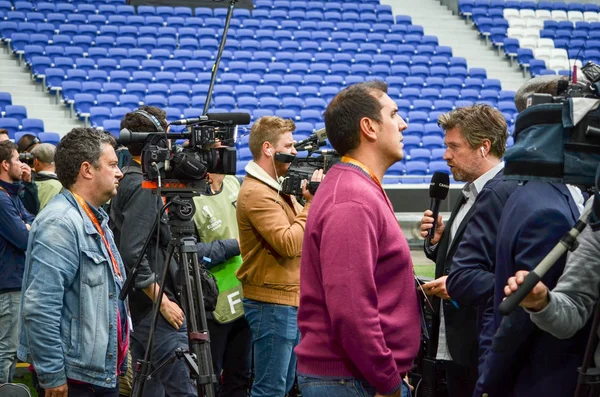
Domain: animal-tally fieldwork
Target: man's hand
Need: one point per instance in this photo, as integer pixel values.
(28, 226)
(427, 223)
(317, 176)
(536, 300)
(437, 287)
(25, 173)
(172, 313)
(60, 391)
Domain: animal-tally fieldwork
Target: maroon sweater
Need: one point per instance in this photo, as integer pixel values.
(358, 313)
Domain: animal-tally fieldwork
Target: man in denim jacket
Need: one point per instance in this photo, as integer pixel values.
(74, 329)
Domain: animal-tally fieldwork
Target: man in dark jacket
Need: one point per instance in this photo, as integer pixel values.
(15, 223)
(133, 212)
(476, 140)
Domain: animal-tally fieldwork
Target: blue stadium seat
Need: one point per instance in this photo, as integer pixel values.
(413, 130)
(420, 155)
(413, 141)
(49, 137)
(99, 114)
(112, 88)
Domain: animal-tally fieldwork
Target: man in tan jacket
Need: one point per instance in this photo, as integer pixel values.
(271, 226)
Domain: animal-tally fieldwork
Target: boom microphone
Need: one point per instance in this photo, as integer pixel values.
(438, 190)
(231, 118)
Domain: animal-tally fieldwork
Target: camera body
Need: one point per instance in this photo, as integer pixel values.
(303, 167)
(208, 148)
(26, 158)
(557, 138)
(193, 160)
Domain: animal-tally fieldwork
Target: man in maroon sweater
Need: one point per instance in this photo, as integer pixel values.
(358, 315)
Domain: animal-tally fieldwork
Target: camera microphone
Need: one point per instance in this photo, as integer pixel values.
(230, 118)
(438, 190)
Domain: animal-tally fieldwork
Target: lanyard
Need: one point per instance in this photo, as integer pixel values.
(94, 220)
(350, 160)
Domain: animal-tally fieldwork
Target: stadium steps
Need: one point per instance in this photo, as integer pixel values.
(452, 31)
(17, 81)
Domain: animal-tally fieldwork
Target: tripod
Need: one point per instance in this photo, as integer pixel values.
(183, 246)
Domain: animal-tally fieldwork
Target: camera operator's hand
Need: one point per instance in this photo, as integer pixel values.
(25, 173)
(427, 223)
(317, 176)
(536, 300)
(172, 312)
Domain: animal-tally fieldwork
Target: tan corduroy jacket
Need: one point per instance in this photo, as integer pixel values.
(271, 227)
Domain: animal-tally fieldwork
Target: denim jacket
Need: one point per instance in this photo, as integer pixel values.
(68, 321)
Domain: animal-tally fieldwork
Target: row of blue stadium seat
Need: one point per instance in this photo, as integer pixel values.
(465, 6)
(292, 33)
(181, 100)
(442, 56)
(362, 67)
(25, 124)
(260, 15)
(98, 21)
(45, 137)
(137, 59)
(54, 78)
(357, 5)
(20, 40)
(282, 91)
(105, 9)
(570, 34)
(13, 124)
(364, 43)
(90, 31)
(412, 77)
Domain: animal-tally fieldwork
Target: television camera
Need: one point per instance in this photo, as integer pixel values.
(208, 148)
(302, 168)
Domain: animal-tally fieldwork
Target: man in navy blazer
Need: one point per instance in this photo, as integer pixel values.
(476, 139)
(471, 279)
(523, 360)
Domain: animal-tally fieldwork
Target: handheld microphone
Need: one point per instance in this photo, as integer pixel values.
(231, 118)
(438, 190)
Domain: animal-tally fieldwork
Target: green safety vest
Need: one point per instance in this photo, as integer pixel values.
(215, 219)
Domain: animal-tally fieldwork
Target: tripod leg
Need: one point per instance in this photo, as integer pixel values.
(143, 368)
(197, 325)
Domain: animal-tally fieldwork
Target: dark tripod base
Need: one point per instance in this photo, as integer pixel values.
(183, 246)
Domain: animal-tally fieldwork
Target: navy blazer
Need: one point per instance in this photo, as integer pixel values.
(471, 278)
(524, 360)
(460, 322)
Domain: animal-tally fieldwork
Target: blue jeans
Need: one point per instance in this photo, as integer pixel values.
(325, 387)
(274, 336)
(173, 379)
(9, 333)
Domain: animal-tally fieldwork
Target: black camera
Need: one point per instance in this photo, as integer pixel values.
(208, 148)
(26, 158)
(303, 167)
